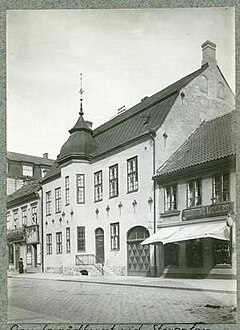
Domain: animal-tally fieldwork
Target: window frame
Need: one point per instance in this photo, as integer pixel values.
(49, 243)
(80, 188)
(67, 190)
(173, 200)
(58, 200)
(98, 186)
(48, 203)
(68, 240)
(113, 181)
(34, 214)
(59, 247)
(27, 168)
(220, 199)
(115, 236)
(24, 215)
(196, 197)
(81, 240)
(132, 174)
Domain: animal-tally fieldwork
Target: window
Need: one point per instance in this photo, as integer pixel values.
(24, 216)
(15, 217)
(170, 198)
(68, 246)
(34, 213)
(113, 181)
(221, 253)
(48, 203)
(81, 239)
(27, 170)
(8, 216)
(44, 171)
(10, 254)
(171, 254)
(194, 253)
(80, 188)
(49, 243)
(194, 193)
(98, 186)
(59, 242)
(114, 229)
(57, 200)
(132, 174)
(221, 188)
(67, 200)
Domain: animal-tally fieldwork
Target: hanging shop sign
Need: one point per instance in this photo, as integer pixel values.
(32, 234)
(207, 211)
(16, 235)
(39, 254)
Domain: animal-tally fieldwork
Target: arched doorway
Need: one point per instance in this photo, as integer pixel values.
(138, 255)
(99, 245)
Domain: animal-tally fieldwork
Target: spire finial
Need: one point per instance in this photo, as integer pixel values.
(81, 97)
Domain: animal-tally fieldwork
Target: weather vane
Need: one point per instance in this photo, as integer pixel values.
(81, 97)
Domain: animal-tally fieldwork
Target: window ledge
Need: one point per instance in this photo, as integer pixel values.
(170, 214)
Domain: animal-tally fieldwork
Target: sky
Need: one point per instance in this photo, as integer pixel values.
(123, 55)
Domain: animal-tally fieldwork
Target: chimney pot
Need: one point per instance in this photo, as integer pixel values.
(209, 52)
(45, 155)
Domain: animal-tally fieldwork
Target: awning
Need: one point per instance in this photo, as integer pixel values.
(216, 229)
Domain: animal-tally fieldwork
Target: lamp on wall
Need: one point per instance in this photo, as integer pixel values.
(97, 212)
(134, 204)
(108, 209)
(150, 201)
(120, 207)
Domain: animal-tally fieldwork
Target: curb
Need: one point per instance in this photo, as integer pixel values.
(127, 284)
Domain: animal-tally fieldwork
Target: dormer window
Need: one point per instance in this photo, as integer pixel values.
(27, 170)
(44, 171)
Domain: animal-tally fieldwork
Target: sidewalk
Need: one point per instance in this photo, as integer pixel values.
(210, 285)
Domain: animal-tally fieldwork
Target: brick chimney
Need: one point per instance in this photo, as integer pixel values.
(209, 53)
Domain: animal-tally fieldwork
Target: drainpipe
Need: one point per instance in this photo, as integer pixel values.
(152, 135)
(42, 240)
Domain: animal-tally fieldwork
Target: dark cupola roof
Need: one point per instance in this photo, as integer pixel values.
(80, 144)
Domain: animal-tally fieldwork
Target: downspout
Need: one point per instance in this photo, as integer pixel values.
(42, 240)
(152, 135)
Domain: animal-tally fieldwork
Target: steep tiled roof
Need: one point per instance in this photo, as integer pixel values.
(28, 158)
(212, 140)
(28, 189)
(145, 116)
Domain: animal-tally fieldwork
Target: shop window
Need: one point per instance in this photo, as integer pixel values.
(59, 242)
(67, 197)
(80, 188)
(27, 170)
(132, 174)
(49, 243)
(68, 245)
(98, 186)
(221, 188)
(114, 229)
(170, 198)
(194, 193)
(221, 253)
(171, 254)
(113, 181)
(194, 253)
(81, 239)
(48, 203)
(57, 200)
(29, 255)
(220, 90)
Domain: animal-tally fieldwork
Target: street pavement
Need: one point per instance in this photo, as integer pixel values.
(57, 298)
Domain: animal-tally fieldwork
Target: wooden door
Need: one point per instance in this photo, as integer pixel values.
(99, 235)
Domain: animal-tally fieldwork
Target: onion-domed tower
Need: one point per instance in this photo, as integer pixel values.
(80, 144)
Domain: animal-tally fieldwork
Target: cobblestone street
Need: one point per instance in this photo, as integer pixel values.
(48, 300)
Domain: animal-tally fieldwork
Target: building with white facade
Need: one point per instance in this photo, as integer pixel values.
(99, 199)
(196, 204)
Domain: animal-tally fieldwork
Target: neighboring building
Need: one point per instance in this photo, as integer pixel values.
(22, 168)
(196, 207)
(99, 196)
(24, 227)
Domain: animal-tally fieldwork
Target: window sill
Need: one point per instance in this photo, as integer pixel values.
(114, 250)
(170, 214)
(48, 215)
(99, 200)
(132, 191)
(222, 266)
(111, 197)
